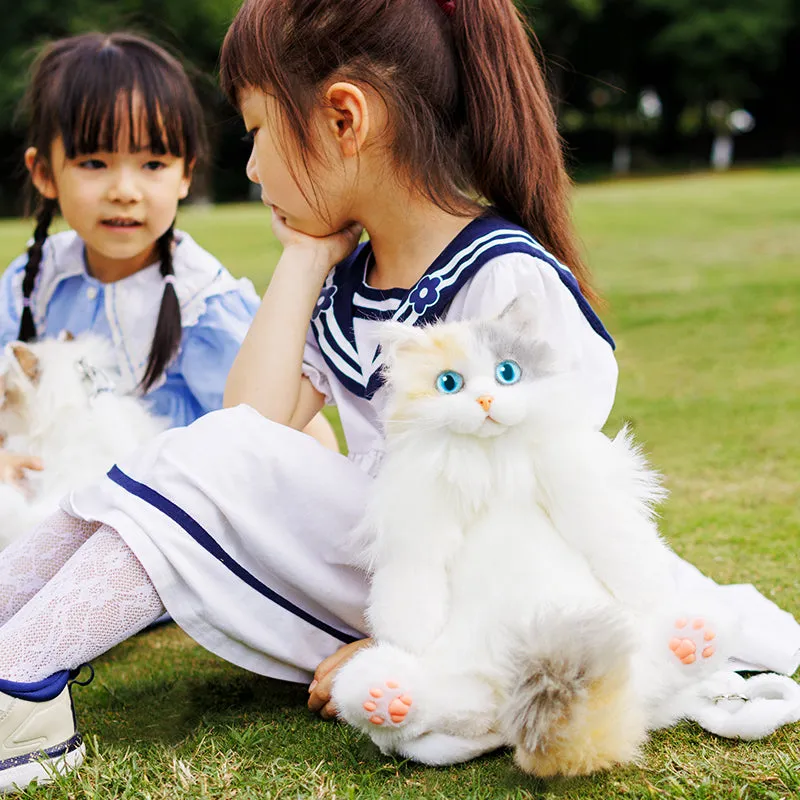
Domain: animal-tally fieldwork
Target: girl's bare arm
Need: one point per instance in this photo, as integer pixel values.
(267, 372)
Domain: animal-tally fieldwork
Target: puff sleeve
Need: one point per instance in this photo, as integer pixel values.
(9, 302)
(195, 381)
(314, 367)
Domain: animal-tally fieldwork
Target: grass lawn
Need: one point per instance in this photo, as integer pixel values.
(702, 279)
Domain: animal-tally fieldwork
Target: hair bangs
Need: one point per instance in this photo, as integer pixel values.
(113, 92)
(120, 105)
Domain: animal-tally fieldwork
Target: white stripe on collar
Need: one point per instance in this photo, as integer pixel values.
(377, 305)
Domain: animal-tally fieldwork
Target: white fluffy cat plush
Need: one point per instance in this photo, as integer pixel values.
(57, 402)
(521, 594)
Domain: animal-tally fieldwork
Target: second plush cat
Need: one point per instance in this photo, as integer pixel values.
(521, 593)
(58, 402)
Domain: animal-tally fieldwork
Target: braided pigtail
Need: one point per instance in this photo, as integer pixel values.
(167, 338)
(27, 327)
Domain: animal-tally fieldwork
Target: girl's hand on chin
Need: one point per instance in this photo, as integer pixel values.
(326, 251)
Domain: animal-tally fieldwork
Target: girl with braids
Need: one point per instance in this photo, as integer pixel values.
(428, 123)
(115, 131)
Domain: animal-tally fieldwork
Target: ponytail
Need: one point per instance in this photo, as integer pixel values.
(167, 338)
(516, 150)
(27, 327)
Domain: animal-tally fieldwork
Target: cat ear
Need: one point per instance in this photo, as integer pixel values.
(397, 337)
(24, 359)
(522, 314)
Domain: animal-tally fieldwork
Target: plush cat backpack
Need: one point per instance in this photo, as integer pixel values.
(58, 401)
(521, 594)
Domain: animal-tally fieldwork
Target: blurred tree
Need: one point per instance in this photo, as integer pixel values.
(597, 54)
(193, 29)
(720, 53)
(778, 110)
(693, 53)
(558, 25)
(718, 48)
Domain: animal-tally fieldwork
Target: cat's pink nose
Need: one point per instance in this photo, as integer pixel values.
(485, 401)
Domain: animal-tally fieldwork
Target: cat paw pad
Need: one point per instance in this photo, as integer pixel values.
(692, 637)
(387, 704)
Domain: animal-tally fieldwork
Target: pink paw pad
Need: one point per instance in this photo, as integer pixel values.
(690, 636)
(393, 705)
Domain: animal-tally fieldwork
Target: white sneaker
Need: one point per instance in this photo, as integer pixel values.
(37, 740)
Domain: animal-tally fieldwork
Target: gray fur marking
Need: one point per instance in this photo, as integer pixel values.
(537, 358)
(554, 671)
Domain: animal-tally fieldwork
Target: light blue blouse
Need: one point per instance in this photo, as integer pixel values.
(195, 379)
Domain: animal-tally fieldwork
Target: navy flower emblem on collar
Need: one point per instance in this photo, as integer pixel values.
(425, 294)
(324, 301)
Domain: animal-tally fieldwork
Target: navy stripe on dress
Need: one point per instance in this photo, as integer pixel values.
(208, 543)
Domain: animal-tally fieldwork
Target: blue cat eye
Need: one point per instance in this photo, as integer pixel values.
(449, 382)
(508, 372)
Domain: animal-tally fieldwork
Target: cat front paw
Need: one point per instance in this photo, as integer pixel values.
(387, 704)
(381, 691)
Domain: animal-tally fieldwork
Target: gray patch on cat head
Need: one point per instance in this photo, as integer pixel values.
(508, 340)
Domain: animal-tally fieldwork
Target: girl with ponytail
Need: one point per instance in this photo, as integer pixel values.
(427, 123)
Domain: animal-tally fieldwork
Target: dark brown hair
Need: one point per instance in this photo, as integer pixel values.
(467, 100)
(82, 89)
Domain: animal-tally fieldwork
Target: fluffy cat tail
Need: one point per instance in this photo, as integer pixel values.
(572, 709)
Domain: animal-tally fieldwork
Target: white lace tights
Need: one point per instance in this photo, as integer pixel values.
(98, 598)
(29, 562)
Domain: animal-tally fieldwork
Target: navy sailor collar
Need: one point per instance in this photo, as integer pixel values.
(346, 296)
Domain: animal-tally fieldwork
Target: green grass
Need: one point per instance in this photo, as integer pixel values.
(702, 278)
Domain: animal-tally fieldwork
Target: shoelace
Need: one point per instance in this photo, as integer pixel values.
(75, 674)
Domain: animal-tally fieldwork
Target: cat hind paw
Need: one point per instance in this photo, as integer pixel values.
(692, 640)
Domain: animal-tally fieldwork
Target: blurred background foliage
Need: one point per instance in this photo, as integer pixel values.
(644, 85)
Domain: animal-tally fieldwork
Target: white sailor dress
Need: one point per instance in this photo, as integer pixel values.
(245, 526)
(216, 311)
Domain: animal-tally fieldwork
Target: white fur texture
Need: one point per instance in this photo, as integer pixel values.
(58, 416)
(491, 534)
